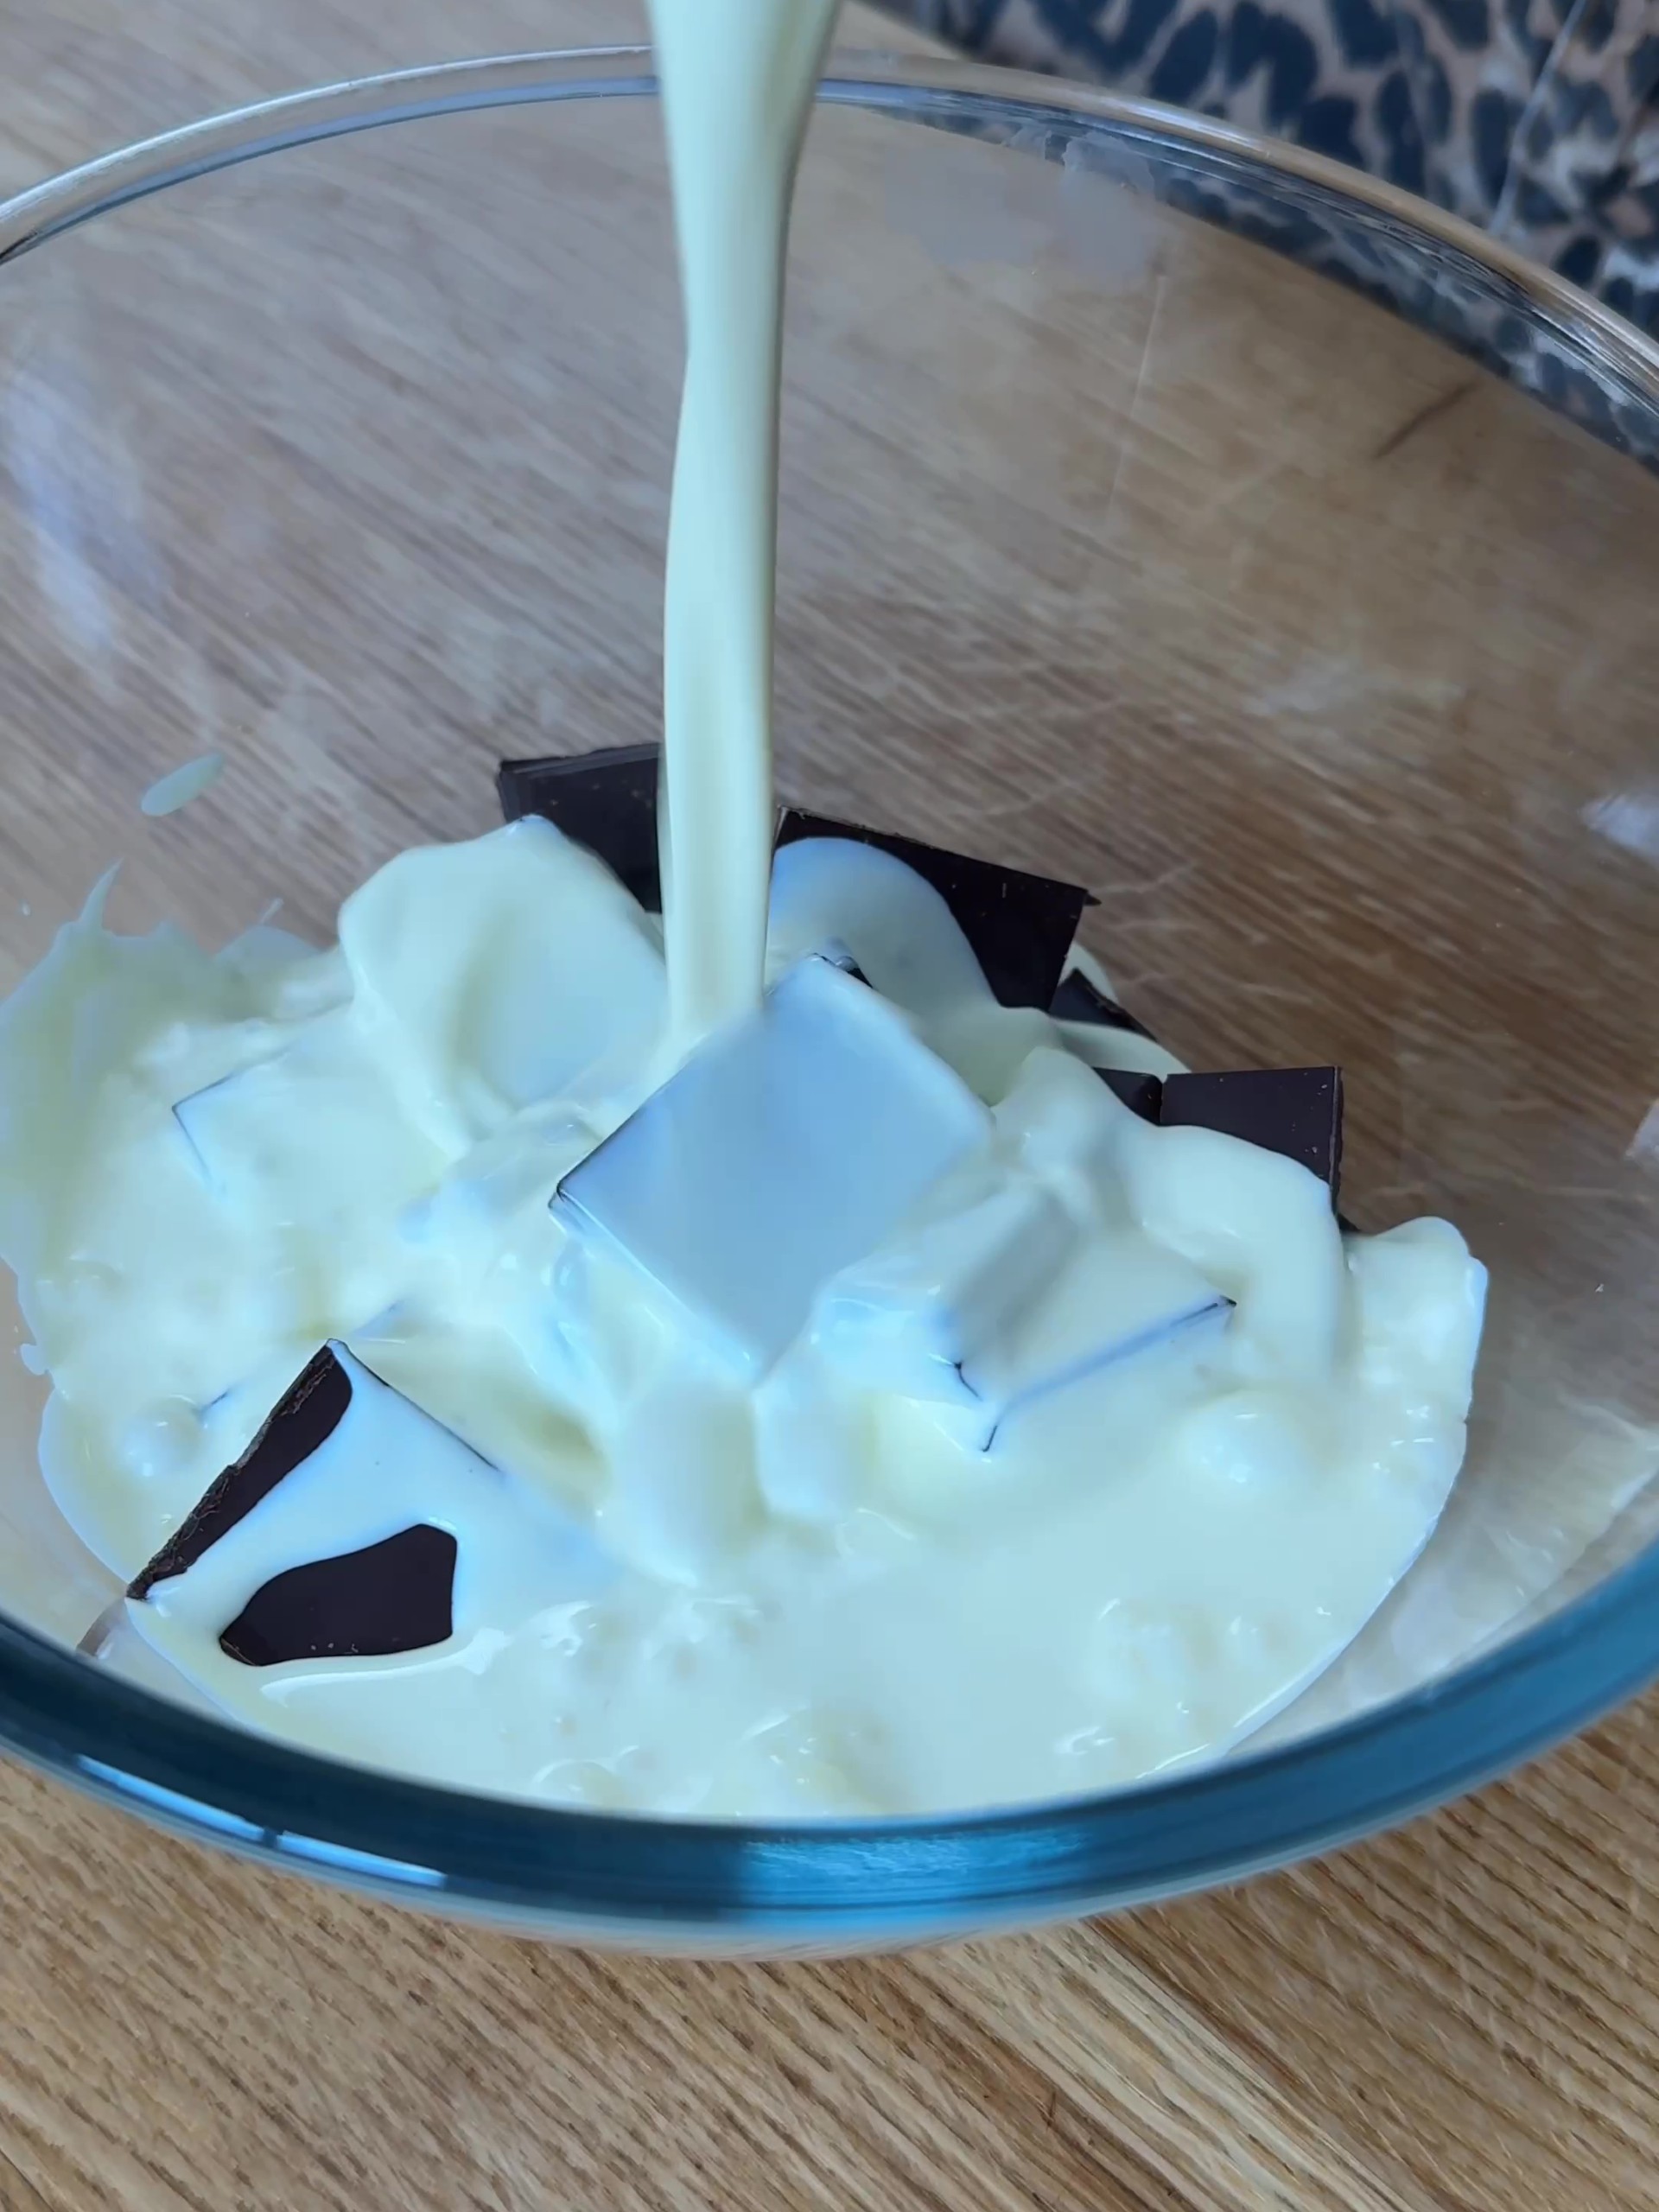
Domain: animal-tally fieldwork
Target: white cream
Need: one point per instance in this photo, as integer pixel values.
(796, 1583)
(814, 1597)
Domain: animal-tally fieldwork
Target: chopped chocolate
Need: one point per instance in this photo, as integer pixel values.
(908, 1315)
(1296, 1112)
(1078, 999)
(360, 1599)
(1020, 926)
(308, 1416)
(605, 800)
(394, 1596)
(1141, 1094)
(783, 1149)
(1003, 1387)
(943, 1314)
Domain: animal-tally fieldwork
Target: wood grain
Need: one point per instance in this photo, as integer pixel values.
(1157, 527)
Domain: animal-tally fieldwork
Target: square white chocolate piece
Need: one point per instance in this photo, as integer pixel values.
(985, 1311)
(781, 1151)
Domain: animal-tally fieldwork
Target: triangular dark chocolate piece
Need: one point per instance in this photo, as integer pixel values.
(1141, 1094)
(387, 1596)
(1296, 1112)
(605, 800)
(1078, 1000)
(394, 1596)
(310, 1410)
(1021, 926)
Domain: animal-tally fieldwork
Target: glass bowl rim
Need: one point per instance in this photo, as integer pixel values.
(814, 1883)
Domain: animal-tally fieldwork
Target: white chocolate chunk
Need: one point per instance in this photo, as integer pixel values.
(783, 1149)
(1121, 1299)
(906, 1317)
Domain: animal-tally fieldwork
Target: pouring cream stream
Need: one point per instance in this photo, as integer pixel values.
(738, 78)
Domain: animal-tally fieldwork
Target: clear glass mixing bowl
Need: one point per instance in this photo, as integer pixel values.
(1118, 541)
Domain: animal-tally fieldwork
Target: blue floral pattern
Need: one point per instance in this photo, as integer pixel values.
(1536, 119)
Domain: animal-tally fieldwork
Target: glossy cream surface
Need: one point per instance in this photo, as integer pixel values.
(684, 1588)
(1013, 1449)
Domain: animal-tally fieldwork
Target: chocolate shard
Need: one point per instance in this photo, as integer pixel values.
(394, 1596)
(1295, 1111)
(1078, 1000)
(605, 800)
(1020, 926)
(1141, 1094)
(309, 1412)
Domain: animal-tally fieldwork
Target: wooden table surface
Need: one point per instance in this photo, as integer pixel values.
(1464, 2014)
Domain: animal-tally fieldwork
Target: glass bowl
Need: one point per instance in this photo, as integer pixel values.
(1118, 540)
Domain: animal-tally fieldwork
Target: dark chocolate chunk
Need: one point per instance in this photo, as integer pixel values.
(605, 800)
(1078, 999)
(1020, 926)
(309, 1412)
(1297, 1111)
(1141, 1094)
(393, 1596)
